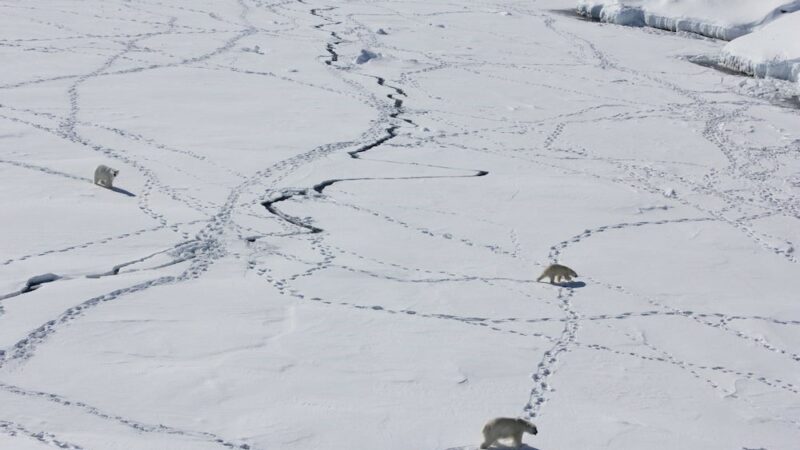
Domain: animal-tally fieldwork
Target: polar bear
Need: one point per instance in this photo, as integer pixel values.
(506, 427)
(557, 272)
(104, 176)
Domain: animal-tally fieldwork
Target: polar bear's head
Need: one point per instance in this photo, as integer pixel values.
(527, 426)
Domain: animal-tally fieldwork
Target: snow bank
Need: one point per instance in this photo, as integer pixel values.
(721, 19)
(771, 52)
(630, 13)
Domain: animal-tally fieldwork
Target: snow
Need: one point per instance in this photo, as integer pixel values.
(773, 51)
(721, 19)
(630, 13)
(317, 253)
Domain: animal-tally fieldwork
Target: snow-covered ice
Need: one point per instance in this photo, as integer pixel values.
(773, 51)
(721, 19)
(302, 252)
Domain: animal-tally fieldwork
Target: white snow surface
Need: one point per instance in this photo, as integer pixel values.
(773, 51)
(721, 19)
(301, 252)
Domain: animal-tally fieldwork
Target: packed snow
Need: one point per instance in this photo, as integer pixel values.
(721, 19)
(773, 51)
(304, 252)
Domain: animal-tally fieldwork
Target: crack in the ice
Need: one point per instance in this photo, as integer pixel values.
(390, 133)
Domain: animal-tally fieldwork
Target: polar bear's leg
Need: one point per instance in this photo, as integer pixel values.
(488, 438)
(518, 439)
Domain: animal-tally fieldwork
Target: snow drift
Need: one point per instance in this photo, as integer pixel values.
(721, 19)
(771, 52)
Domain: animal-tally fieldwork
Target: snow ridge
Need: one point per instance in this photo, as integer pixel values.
(726, 21)
(771, 52)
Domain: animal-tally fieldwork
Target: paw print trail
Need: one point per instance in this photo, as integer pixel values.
(134, 425)
(14, 429)
(547, 366)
